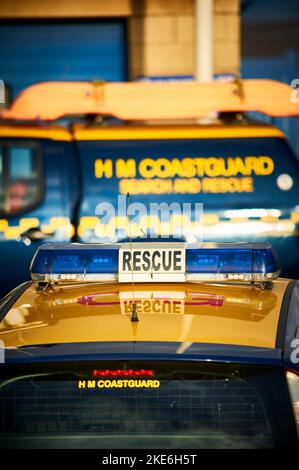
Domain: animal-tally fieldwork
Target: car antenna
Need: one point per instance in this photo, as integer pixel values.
(134, 316)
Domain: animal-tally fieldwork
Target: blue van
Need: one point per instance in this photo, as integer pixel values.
(54, 178)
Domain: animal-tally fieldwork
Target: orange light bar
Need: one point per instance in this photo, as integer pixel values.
(148, 101)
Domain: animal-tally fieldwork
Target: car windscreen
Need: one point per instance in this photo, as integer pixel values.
(145, 405)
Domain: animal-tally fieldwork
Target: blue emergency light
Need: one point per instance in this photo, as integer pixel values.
(155, 261)
(74, 261)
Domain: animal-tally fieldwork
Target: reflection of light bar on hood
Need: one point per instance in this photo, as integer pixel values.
(206, 262)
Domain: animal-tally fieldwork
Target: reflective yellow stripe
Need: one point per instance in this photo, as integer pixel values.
(3, 225)
(35, 133)
(295, 217)
(176, 132)
(58, 222)
(88, 222)
(210, 219)
(213, 226)
(47, 229)
(28, 222)
(269, 218)
(237, 220)
(12, 232)
(142, 133)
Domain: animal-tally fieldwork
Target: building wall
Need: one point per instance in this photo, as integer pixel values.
(161, 33)
(227, 36)
(162, 37)
(64, 8)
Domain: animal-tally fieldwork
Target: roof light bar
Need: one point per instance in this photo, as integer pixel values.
(74, 262)
(155, 261)
(232, 262)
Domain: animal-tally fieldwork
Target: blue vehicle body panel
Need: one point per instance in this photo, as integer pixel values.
(265, 194)
(72, 192)
(291, 341)
(54, 212)
(140, 350)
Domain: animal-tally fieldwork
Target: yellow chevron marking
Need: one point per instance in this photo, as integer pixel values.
(12, 233)
(210, 219)
(3, 225)
(28, 222)
(269, 218)
(295, 217)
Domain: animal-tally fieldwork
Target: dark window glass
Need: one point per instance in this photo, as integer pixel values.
(20, 179)
(194, 406)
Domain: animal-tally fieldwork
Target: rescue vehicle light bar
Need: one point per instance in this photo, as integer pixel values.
(139, 101)
(155, 262)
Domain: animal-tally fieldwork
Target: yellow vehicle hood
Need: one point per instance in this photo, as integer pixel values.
(185, 312)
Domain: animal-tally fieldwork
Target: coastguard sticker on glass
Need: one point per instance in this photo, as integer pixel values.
(154, 263)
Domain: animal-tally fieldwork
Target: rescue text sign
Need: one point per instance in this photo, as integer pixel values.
(187, 175)
(154, 263)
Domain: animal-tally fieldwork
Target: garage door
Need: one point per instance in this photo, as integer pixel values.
(34, 52)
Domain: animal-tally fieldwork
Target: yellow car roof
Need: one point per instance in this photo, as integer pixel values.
(184, 312)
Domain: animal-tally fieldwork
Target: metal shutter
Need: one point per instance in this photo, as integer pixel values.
(38, 51)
